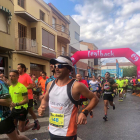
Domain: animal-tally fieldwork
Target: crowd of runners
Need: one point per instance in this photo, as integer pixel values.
(70, 100)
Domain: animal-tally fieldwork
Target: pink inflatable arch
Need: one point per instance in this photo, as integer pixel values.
(122, 52)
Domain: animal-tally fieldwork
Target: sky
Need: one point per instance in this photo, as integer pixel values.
(106, 23)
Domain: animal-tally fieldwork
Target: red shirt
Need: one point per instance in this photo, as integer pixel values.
(84, 82)
(134, 81)
(25, 79)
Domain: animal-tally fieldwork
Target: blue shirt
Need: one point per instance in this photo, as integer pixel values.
(4, 94)
(49, 80)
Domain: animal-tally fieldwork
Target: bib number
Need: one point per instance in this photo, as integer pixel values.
(85, 102)
(56, 120)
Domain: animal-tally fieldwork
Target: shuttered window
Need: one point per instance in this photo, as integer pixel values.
(48, 39)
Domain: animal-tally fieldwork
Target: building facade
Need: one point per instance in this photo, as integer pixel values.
(37, 36)
(7, 35)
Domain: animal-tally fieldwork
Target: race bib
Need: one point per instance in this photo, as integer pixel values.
(85, 102)
(91, 89)
(56, 119)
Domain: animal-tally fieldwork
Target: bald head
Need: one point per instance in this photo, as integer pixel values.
(79, 77)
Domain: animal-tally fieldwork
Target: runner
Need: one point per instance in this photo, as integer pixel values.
(83, 101)
(125, 86)
(6, 122)
(108, 85)
(25, 79)
(41, 96)
(120, 83)
(42, 82)
(94, 85)
(62, 96)
(99, 91)
(19, 103)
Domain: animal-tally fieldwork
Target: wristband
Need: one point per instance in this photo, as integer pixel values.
(17, 104)
(85, 112)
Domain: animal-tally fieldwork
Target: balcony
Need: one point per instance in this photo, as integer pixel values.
(63, 33)
(26, 45)
(48, 52)
(25, 15)
(62, 53)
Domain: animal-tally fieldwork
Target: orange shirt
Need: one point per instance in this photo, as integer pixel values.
(25, 79)
(42, 82)
(40, 77)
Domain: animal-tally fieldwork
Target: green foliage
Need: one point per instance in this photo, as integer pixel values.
(129, 72)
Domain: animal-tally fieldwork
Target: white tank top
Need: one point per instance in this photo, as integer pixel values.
(63, 110)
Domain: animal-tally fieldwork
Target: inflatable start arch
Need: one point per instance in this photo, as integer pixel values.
(122, 52)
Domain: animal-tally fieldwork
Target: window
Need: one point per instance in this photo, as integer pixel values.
(48, 40)
(42, 14)
(63, 28)
(92, 64)
(53, 22)
(3, 21)
(76, 36)
(22, 30)
(21, 3)
(63, 50)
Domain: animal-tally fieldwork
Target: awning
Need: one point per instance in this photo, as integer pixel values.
(9, 13)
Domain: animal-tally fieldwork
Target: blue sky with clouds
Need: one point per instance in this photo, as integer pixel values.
(106, 23)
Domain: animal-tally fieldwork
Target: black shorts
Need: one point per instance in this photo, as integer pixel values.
(30, 104)
(19, 114)
(80, 102)
(7, 126)
(54, 137)
(108, 97)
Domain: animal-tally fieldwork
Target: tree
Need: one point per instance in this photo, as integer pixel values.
(129, 72)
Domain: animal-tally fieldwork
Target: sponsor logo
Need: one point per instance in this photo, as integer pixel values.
(72, 59)
(59, 108)
(99, 53)
(135, 57)
(16, 93)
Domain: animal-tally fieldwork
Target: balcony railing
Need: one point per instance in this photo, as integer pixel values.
(48, 53)
(63, 53)
(26, 44)
(61, 28)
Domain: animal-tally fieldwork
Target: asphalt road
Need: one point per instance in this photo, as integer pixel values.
(123, 123)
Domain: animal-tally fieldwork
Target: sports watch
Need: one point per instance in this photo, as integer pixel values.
(85, 112)
(17, 104)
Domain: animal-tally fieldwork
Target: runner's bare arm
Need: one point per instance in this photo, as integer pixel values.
(5, 102)
(81, 89)
(45, 100)
(25, 100)
(30, 86)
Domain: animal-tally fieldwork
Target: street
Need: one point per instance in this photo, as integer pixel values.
(122, 124)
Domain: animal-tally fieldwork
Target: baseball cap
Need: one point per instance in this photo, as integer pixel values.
(62, 60)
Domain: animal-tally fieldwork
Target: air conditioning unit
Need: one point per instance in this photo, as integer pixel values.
(33, 43)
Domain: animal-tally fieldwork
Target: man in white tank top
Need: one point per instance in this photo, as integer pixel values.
(62, 96)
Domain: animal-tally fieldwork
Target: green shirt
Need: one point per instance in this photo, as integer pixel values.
(120, 83)
(17, 92)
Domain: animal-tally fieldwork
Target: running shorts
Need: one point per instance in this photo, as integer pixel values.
(54, 137)
(108, 97)
(19, 114)
(30, 104)
(80, 102)
(7, 126)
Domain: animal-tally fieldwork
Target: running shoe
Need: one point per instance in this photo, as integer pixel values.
(105, 118)
(35, 139)
(36, 126)
(108, 107)
(91, 114)
(113, 106)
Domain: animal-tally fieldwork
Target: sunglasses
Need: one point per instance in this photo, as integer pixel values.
(60, 66)
(106, 74)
